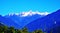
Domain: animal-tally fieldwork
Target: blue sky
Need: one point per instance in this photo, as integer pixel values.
(16, 6)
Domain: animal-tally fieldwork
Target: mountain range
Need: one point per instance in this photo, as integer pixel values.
(33, 21)
(19, 20)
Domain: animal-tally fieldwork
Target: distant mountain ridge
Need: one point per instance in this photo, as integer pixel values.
(19, 22)
(8, 22)
(22, 21)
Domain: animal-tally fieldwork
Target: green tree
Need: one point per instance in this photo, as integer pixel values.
(38, 31)
(19, 31)
(24, 30)
(12, 30)
(2, 32)
(1, 29)
(5, 29)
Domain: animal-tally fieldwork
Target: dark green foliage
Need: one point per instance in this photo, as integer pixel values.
(24, 30)
(18, 31)
(5, 29)
(37, 31)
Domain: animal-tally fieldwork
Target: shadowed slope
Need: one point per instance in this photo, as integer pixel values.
(45, 23)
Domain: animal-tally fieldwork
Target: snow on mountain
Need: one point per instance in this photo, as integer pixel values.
(30, 13)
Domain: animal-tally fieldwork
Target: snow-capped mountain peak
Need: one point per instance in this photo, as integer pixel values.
(30, 13)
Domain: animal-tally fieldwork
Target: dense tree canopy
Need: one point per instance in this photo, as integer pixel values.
(5, 29)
